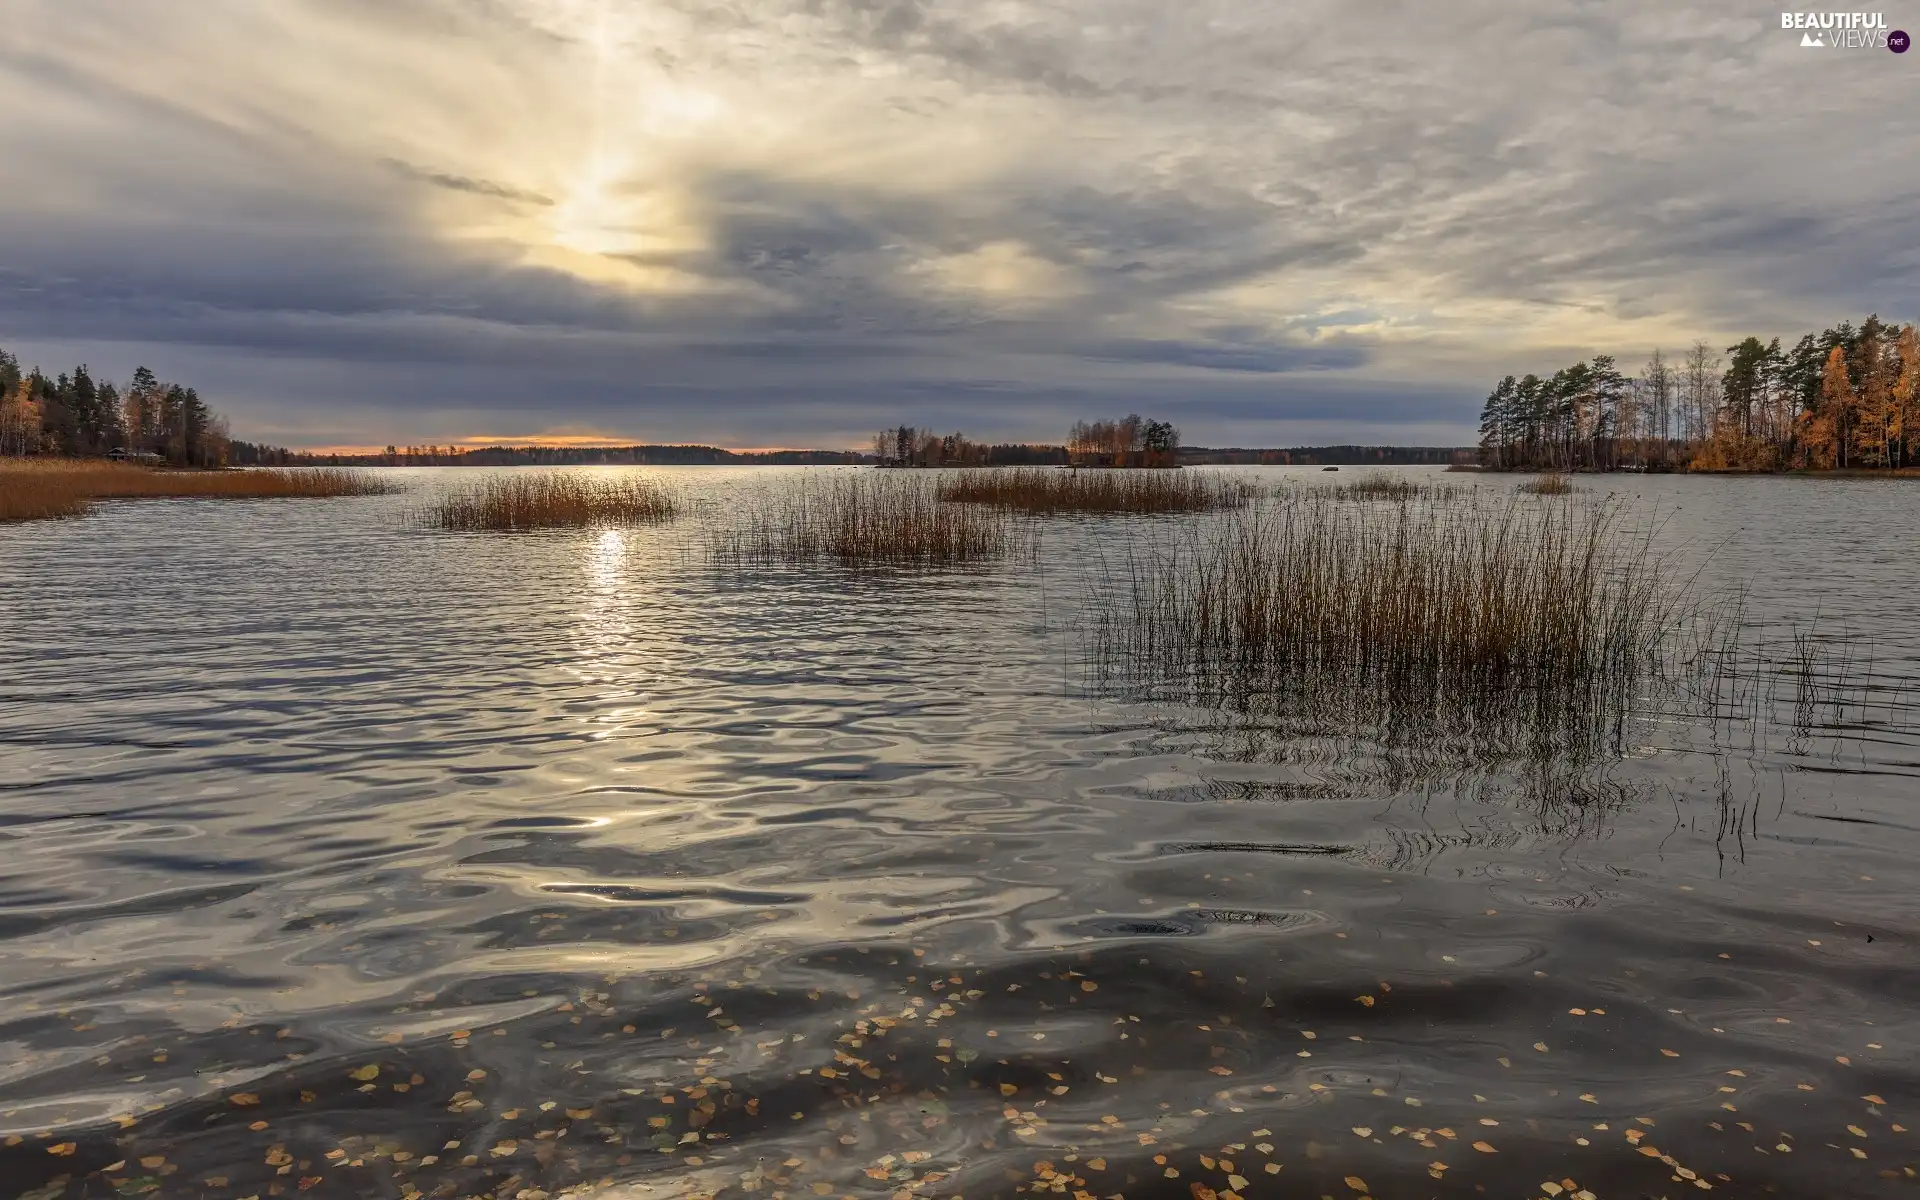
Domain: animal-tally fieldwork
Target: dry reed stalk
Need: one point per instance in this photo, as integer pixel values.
(549, 500)
(31, 489)
(1049, 490)
(866, 519)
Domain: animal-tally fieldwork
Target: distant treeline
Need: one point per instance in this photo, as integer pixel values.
(75, 415)
(1337, 456)
(1841, 398)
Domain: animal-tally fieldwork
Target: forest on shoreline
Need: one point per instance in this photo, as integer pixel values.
(1842, 399)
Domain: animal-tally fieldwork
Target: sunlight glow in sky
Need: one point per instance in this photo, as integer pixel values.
(790, 221)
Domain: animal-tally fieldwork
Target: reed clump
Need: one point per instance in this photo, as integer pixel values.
(1051, 490)
(1552, 483)
(1382, 486)
(867, 519)
(549, 500)
(1439, 601)
(32, 489)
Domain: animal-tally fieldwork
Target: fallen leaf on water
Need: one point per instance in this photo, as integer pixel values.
(1088, 985)
(243, 1099)
(1873, 1100)
(1366, 1000)
(1362, 1131)
(1356, 1183)
(62, 1148)
(1669, 1053)
(1220, 1070)
(365, 1074)
(1483, 1148)
(1540, 1046)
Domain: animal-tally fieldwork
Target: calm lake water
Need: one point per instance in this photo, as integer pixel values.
(342, 858)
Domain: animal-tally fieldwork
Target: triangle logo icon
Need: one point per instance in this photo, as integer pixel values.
(1812, 39)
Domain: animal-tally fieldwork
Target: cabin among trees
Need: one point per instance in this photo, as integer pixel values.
(76, 416)
(1843, 398)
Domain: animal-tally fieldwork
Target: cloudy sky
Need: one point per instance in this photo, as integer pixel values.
(786, 222)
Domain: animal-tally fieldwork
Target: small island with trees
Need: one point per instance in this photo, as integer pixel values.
(1842, 399)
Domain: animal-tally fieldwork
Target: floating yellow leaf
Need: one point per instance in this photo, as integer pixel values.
(1220, 1070)
(1483, 1148)
(1366, 1000)
(1356, 1183)
(62, 1148)
(1362, 1131)
(1669, 1053)
(365, 1074)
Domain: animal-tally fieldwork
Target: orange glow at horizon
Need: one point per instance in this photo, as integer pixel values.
(553, 442)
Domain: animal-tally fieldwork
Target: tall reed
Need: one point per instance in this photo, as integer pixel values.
(1049, 490)
(867, 519)
(1452, 595)
(37, 488)
(549, 500)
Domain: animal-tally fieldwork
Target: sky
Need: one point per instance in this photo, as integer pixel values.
(761, 223)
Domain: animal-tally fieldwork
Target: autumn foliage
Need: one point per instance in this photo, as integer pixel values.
(52, 487)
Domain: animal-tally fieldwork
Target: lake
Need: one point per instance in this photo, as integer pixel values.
(340, 857)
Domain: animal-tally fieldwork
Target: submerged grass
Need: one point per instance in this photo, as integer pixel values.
(867, 519)
(549, 500)
(33, 489)
(1455, 609)
(1050, 490)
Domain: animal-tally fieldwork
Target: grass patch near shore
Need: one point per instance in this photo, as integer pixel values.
(867, 519)
(35, 489)
(1048, 491)
(549, 500)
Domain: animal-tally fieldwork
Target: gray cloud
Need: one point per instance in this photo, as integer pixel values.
(722, 220)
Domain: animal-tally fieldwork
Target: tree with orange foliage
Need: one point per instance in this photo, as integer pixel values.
(1830, 431)
(1906, 391)
(19, 419)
